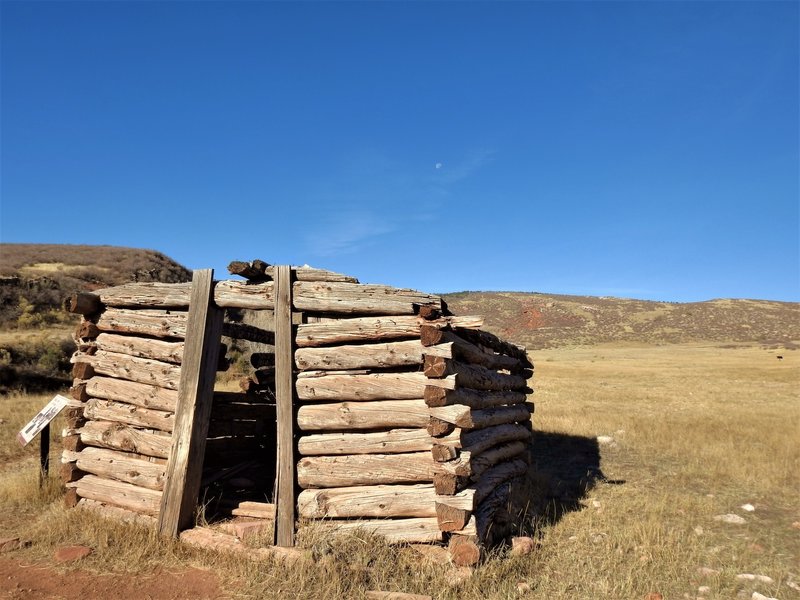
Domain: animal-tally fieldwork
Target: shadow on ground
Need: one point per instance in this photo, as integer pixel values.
(564, 468)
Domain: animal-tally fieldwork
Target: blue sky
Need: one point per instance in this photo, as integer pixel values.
(638, 149)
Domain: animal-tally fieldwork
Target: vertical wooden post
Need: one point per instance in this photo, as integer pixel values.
(284, 396)
(195, 395)
(44, 454)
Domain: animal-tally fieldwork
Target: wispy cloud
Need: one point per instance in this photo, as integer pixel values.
(375, 196)
(346, 233)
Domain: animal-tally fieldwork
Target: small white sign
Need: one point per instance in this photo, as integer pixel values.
(37, 423)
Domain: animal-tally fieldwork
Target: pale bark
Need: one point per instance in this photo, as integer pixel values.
(118, 493)
(362, 415)
(117, 436)
(141, 370)
(366, 469)
(438, 396)
(360, 356)
(107, 410)
(468, 418)
(131, 392)
(362, 329)
(392, 441)
(395, 531)
(373, 386)
(473, 376)
(171, 352)
(157, 323)
(111, 464)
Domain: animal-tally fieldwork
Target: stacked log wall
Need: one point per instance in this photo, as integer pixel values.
(410, 422)
(118, 437)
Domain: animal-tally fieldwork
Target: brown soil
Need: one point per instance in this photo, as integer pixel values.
(33, 582)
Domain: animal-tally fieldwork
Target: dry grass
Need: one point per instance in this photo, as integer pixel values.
(697, 432)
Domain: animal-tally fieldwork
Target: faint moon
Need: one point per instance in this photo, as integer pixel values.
(439, 165)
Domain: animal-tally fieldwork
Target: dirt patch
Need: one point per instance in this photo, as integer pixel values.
(33, 582)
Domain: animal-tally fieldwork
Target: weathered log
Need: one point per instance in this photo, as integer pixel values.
(476, 441)
(496, 476)
(118, 493)
(484, 338)
(82, 371)
(366, 469)
(439, 428)
(258, 270)
(468, 418)
(491, 516)
(131, 392)
(82, 303)
(69, 472)
(373, 386)
(157, 323)
(365, 329)
(437, 396)
(362, 415)
(472, 376)
(78, 391)
(71, 498)
(256, 510)
(395, 531)
(378, 501)
(447, 344)
(470, 465)
(353, 298)
(252, 271)
(73, 416)
(464, 550)
(72, 442)
(368, 501)
(151, 294)
(108, 410)
(171, 352)
(452, 518)
(117, 436)
(324, 297)
(392, 441)
(111, 464)
(87, 330)
(115, 512)
(447, 484)
(360, 356)
(141, 370)
(312, 274)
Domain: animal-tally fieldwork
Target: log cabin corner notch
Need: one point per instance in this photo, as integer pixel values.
(366, 406)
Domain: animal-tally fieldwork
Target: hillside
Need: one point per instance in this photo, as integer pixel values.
(34, 278)
(548, 321)
(35, 341)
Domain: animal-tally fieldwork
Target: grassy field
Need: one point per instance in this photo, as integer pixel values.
(638, 450)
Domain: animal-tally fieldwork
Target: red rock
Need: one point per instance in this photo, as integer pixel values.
(245, 529)
(70, 553)
(522, 545)
(8, 544)
(464, 553)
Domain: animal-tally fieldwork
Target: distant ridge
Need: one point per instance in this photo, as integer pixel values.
(40, 276)
(549, 320)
